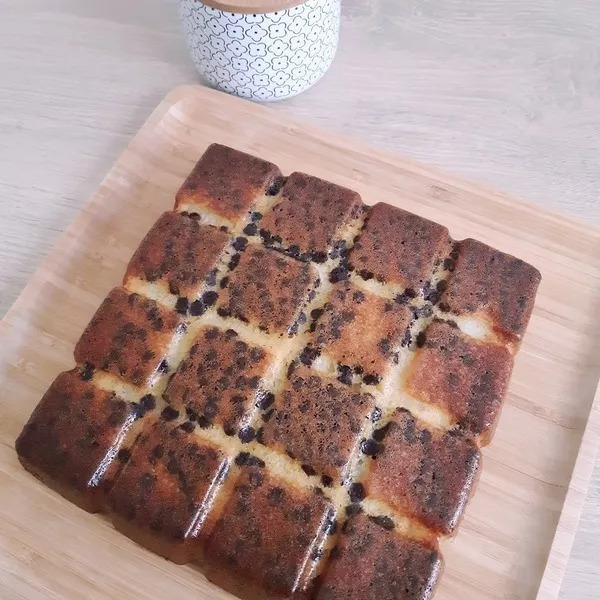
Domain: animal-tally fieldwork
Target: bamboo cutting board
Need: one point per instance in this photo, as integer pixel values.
(515, 540)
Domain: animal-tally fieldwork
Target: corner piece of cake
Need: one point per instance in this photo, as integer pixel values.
(291, 389)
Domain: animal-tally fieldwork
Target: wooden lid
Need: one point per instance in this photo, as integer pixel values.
(252, 6)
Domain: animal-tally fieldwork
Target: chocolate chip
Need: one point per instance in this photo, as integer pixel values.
(308, 355)
(275, 187)
(240, 243)
(366, 275)
(163, 367)
(148, 402)
(209, 298)
(421, 339)
(410, 293)
(371, 379)
(345, 374)
(353, 509)
(223, 312)
(309, 470)
(247, 434)
(265, 400)
(442, 286)
(169, 413)
(173, 288)
(376, 414)
(124, 454)
(266, 237)
(188, 427)
(191, 414)
(182, 305)
(203, 422)
(327, 481)
(197, 308)
(357, 492)
(383, 521)
(234, 262)
(433, 297)
(330, 526)
(449, 264)
(370, 448)
(158, 451)
(250, 229)
(87, 372)
(316, 554)
(379, 434)
(256, 216)
(294, 251)
(338, 274)
(319, 257)
(223, 228)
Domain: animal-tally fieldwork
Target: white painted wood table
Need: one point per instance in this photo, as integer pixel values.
(502, 91)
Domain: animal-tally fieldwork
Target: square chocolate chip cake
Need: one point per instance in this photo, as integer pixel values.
(290, 389)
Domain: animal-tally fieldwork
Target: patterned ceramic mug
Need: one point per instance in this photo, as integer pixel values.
(265, 57)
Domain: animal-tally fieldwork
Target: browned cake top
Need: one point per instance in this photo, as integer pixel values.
(75, 432)
(219, 379)
(361, 330)
(498, 286)
(463, 376)
(374, 562)
(267, 289)
(310, 213)
(128, 336)
(178, 251)
(268, 530)
(165, 484)
(257, 415)
(426, 474)
(227, 182)
(317, 421)
(398, 247)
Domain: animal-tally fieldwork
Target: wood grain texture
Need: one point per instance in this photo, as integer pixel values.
(507, 536)
(502, 92)
(252, 6)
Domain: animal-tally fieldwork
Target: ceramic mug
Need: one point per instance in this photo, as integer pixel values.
(264, 57)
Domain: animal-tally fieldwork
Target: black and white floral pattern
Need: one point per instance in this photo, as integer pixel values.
(264, 56)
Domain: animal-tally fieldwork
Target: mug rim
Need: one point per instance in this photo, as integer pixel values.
(251, 6)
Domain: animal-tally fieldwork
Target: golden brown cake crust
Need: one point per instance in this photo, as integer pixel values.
(241, 411)
(178, 251)
(398, 247)
(166, 485)
(359, 329)
(317, 421)
(310, 213)
(268, 529)
(464, 376)
(427, 474)
(495, 285)
(74, 435)
(128, 337)
(267, 290)
(219, 380)
(227, 181)
(371, 562)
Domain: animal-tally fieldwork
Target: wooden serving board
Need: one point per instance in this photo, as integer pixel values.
(515, 540)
